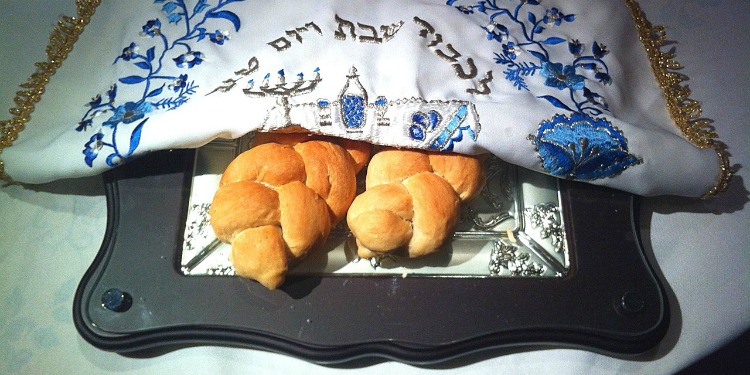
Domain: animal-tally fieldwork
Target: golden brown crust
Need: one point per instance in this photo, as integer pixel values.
(393, 165)
(360, 151)
(270, 163)
(435, 212)
(380, 218)
(278, 200)
(232, 203)
(289, 139)
(260, 254)
(304, 218)
(412, 201)
(382, 230)
(463, 172)
(330, 173)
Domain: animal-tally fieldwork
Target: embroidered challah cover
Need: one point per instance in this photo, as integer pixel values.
(574, 89)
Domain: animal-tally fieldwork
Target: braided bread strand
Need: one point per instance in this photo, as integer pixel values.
(279, 200)
(411, 202)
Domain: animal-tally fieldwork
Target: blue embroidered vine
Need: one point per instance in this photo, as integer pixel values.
(163, 88)
(582, 147)
(578, 146)
(524, 31)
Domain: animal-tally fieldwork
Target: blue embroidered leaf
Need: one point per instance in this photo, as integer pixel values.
(538, 55)
(532, 18)
(555, 102)
(515, 76)
(169, 7)
(131, 80)
(155, 92)
(143, 65)
(174, 18)
(201, 33)
(553, 40)
(172, 103)
(569, 17)
(151, 54)
(227, 15)
(538, 29)
(200, 6)
(135, 137)
(501, 59)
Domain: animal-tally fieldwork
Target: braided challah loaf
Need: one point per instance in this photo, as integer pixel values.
(279, 199)
(411, 202)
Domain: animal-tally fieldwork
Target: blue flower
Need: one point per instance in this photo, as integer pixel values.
(219, 37)
(575, 47)
(179, 83)
(152, 28)
(603, 78)
(190, 58)
(511, 50)
(83, 125)
(128, 113)
(129, 52)
(599, 50)
(561, 77)
(552, 16)
(92, 147)
(581, 147)
(496, 31)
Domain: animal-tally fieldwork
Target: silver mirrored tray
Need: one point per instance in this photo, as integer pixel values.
(536, 262)
(512, 229)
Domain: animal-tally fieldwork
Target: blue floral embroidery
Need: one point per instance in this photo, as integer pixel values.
(525, 44)
(109, 113)
(561, 77)
(581, 147)
(422, 123)
(578, 146)
(454, 131)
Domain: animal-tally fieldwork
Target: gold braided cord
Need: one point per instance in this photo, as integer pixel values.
(685, 112)
(61, 41)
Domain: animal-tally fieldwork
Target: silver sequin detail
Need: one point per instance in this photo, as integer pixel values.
(518, 263)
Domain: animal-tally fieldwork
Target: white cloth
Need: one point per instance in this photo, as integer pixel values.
(50, 234)
(560, 87)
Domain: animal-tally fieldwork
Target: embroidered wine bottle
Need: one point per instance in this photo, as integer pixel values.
(353, 100)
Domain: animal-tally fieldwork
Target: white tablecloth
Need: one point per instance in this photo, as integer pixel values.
(50, 234)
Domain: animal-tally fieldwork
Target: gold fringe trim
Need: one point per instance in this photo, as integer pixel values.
(685, 112)
(61, 41)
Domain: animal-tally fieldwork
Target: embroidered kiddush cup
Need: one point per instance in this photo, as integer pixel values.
(573, 89)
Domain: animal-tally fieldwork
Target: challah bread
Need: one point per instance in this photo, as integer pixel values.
(359, 151)
(411, 202)
(279, 200)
